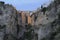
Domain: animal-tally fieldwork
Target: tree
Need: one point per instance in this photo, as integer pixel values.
(41, 6)
(44, 10)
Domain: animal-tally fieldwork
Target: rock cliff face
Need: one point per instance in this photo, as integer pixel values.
(49, 24)
(46, 27)
(8, 22)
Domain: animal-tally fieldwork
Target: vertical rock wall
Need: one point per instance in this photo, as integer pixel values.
(7, 22)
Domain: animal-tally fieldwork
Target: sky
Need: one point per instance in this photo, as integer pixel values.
(27, 4)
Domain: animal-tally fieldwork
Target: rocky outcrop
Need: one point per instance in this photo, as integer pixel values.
(48, 25)
(8, 22)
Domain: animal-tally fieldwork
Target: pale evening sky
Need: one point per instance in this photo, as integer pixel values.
(26, 4)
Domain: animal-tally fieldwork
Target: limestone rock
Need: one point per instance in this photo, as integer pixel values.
(7, 18)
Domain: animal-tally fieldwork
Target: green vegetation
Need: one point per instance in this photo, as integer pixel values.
(29, 33)
(1, 2)
(43, 9)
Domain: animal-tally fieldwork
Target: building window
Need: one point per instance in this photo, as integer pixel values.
(20, 14)
(26, 19)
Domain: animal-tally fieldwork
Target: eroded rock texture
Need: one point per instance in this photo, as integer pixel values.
(49, 29)
(8, 22)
